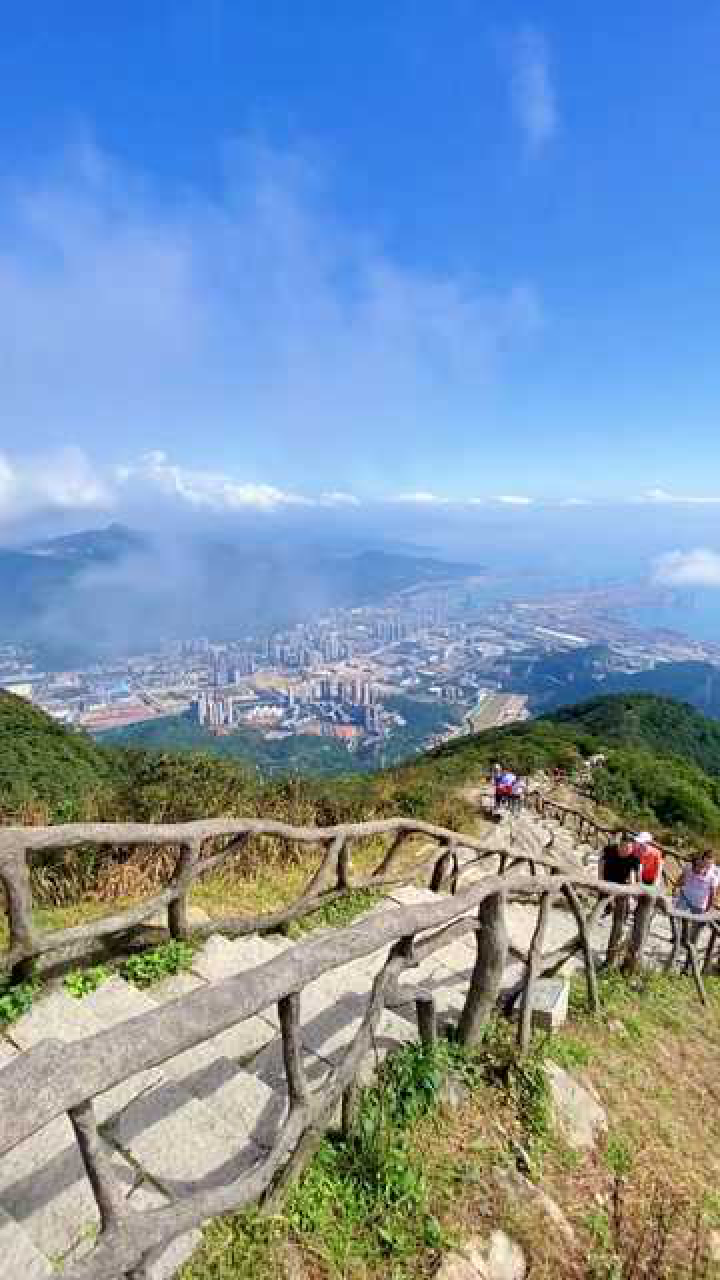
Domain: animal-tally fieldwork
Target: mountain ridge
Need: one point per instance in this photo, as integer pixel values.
(662, 766)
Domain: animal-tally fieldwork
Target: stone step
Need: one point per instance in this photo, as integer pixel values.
(225, 958)
(57, 1016)
(19, 1259)
(179, 1141)
(43, 1186)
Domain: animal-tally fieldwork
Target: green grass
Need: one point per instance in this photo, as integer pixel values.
(151, 966)
(363, 1198)
(16, 999)
(81, 982)
(366, 1204)
(336, 914)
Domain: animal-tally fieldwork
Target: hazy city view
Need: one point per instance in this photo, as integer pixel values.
(368, 685)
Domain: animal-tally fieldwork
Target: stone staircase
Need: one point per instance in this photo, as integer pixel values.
(209, 1113)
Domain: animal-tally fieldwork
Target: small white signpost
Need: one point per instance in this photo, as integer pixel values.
(550, 1004)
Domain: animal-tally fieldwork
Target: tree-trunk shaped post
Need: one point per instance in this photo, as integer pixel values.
(710, 950)
(185, 873)
(289, 1012)
(387, 863)
(534, 967)
(491, 958)
(617, 930)
(109, 1195)
(644, 912)
(16, 879)
(591, 982)
(344, 865)
(673, 954)
(327, 872)
(442, 870)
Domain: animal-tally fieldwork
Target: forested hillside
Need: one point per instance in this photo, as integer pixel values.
(662, 766)
(47, 771)
(558, 679)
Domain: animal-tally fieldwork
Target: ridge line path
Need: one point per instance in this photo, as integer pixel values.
(210, 1112)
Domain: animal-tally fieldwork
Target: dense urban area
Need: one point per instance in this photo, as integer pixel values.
(378, 682)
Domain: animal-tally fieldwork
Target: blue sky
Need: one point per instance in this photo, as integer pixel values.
(310, 255)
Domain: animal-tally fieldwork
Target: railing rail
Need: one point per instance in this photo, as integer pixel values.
(198, 856)
(584, 824)
(54, 1079)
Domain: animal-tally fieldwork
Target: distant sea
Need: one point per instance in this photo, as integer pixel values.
(697, 616)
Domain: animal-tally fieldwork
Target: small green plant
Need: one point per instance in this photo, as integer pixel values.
(365, 1196)
(81, 982)
(157, 963)
(618, 1156)
(568, 1052)
(340, 912)
(15, 1000)
(241, 1247)
(523, 1078)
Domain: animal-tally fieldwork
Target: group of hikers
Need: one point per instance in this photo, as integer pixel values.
(638, 860)
(509, 789)
(633, 859)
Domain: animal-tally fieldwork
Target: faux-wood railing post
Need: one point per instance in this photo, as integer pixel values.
(491, 958)
(534, 965)
(289, 1012)
(16, 879)
(185, 871)
(710, 950)
(108, 1193)
(644, 913)
(441, 870)
(326, 875)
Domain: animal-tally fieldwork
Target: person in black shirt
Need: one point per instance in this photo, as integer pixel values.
(619, 864)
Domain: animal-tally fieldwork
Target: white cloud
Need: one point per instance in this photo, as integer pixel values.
(68, 481)
(514, 500)
(421, 498)
(533, 96)
(338, 498)
(62, 481)
(252, 325)
(697, 568)
(210, 489)
(661, 496)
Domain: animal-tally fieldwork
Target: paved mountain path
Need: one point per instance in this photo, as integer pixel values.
(210, 1112)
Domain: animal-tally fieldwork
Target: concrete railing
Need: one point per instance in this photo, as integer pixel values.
(204, 847)
(55, 1079)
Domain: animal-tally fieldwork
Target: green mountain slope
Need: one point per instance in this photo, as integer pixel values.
(556, 680)
(46, 771)
(662, 768)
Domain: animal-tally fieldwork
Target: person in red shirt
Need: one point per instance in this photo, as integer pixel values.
(651, 859)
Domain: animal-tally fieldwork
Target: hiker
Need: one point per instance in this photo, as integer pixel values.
(620, 864)
(504, 783)
(698, 886)
(651, 859)
(517, 795)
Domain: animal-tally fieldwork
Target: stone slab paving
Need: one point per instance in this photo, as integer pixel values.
(180, 984)
(180, 1141)
(19, 1259)
(44, 1188)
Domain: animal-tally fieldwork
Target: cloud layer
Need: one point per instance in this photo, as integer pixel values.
(697, 568)
(251, 333)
